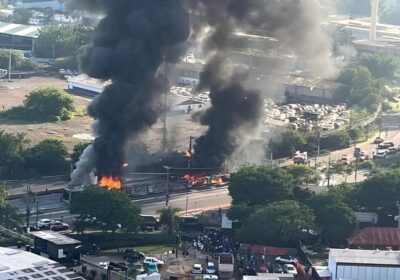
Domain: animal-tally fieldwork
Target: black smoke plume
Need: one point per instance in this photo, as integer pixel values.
(128, 48)
(236, 111)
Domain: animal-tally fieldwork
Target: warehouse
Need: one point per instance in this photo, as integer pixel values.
(364, 264)
(18, 36)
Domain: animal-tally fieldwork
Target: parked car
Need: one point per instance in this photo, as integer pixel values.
(385, 145)
(86, 249)
(137, 268)
(211, 268)
(151, 268)
(380, 154)
(57, 226)
(132, 255)
(378, 140)
(152, 260)
(285, 259)
(197, 269)
(103, 265)
(277, 268)
(392, 150)
(345, 160)
(44, 223)
(210, 277)
(289, 268)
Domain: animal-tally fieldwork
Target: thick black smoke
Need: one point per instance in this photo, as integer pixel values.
(236, 111)
(129, 45)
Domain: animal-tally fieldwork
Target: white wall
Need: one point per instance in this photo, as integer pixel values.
(366, 272)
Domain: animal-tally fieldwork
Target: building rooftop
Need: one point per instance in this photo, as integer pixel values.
(372, 257)
(86, 80)
(378, 236)
(14, 29)
(269, 276)
(311, 83)
(55, 237)
(22, 265)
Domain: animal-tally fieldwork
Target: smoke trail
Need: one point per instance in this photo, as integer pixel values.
(128, 47)
(236, 111)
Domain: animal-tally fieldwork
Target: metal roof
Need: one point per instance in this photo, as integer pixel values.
(389, 237)
(55, 237)
(372, 257)
(30, 31)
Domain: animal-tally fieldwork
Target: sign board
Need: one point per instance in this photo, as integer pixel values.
(366, 217)
(225, 222)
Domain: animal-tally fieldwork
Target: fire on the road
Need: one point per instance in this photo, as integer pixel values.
(110, 182)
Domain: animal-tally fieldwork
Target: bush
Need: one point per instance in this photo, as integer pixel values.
(18, 61)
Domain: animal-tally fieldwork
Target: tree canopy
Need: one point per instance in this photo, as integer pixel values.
(110, 207)
(48, 157)
(9, 217)
(56, 41)
(48, 104)
(18, 61)
(279, 223)
(259, 185)
(169, 219)
(336, 219)
(381, 65)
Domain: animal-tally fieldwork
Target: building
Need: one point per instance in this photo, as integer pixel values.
(18, 36)
(23, 265)
(188, 106)
(376, 238)
(54, 245)
(185, 73)
(85, 85)
(41, 4)
(380, 45)
(300, 89)
(364, 264)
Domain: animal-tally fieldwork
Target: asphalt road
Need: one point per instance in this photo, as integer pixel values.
(51, 207)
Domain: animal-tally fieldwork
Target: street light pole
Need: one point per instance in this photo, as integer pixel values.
(167, 168)
(28, 209)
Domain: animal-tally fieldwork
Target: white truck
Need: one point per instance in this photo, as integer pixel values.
(225, 266)
(300, 158)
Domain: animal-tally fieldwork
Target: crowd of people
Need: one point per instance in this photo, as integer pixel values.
(214, 241)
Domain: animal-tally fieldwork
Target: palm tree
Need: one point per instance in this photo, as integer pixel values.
(169, 219)
(21, 140)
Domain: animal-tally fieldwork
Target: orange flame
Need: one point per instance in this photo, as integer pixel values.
(110, 182)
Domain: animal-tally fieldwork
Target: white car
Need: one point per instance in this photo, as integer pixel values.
(44, 223)
(103, 265)
(152, 260)
(289, 268)
(197, 269)
(210, 269)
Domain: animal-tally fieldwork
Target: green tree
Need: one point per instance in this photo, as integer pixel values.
(381, 65)
(303, 174)
(9, 217)
(61, 41)
(49, 104)
(22, 141)
(10, 158)
(356, 133)
(260, 185)
(110, 207)
(337, 140)
(380, 193)
(336, 220)
(240, 212)
(18, 61)
(47, 157)
(288, 143)
(169, 219)
(3, 194)
(281, 223)
(21, 15)
(78, 150)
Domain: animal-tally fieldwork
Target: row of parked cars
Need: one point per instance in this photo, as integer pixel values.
(384, 148)
(52, 225)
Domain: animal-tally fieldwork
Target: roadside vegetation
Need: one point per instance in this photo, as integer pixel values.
(287, 212)
(45, 104)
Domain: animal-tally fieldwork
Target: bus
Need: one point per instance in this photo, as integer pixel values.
(69, 193)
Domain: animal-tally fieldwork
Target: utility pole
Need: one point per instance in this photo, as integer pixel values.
(164, 143)
(37, 212)
(28, 208)
(329, 172)
(167, 181)
(355, 171)
(189, 155)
